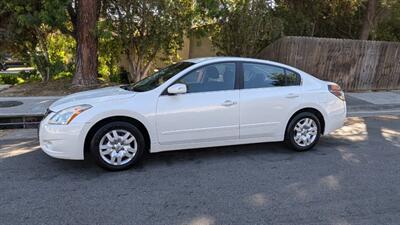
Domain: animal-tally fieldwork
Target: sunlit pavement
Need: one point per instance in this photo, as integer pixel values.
(351, 177)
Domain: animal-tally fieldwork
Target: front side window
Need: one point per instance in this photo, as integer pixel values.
(262, 76)
(215, 77)
(160, 77)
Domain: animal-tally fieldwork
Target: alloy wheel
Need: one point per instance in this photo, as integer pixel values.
(305, 132)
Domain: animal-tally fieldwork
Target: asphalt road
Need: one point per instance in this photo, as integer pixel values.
(351, 177)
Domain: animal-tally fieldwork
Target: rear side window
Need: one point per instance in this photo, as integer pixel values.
(262, 76)
(292, 78)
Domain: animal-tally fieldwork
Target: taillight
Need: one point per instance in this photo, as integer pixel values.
(336, 90)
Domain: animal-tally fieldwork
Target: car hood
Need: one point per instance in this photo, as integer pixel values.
(91, 97)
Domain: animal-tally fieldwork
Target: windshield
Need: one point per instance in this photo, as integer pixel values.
(158, 78)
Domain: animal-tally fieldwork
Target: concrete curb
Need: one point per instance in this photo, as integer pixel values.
(4, 87)
(366, 113)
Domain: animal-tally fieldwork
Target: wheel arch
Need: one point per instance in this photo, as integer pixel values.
(106, 120)
(312, 110)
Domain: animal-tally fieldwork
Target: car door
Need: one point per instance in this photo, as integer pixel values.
(269, 95)
(208, 112)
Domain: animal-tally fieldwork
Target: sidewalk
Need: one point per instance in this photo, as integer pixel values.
(373, 103)
(31, 106)
(358, 104)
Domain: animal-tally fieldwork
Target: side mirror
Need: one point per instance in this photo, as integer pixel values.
(177, 89)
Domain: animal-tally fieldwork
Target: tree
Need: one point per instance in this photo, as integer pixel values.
(148, 29)
(78, 19)
(354, 19)
(369, 19)
(241, 28)
(25, 32)
(389, 28)
(380, 16)
(332, 18)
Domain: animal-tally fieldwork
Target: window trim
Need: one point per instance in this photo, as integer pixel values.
(267, 64)
(236, 83)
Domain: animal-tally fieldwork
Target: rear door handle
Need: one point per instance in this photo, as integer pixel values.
(228, 103)
(292, 95)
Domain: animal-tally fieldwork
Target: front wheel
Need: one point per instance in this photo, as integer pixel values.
(117, 146)
(303, 131)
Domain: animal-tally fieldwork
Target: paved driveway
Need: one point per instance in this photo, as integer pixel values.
(351, 177)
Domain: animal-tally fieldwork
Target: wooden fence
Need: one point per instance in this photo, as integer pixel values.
(355, 65)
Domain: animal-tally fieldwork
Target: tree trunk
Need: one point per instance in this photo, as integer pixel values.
(368, 21)
(135, 63)
(131, 66)
(138, 68)
(87, 43)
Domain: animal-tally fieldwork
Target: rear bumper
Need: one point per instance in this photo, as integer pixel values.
(336, 116)
(62, 141)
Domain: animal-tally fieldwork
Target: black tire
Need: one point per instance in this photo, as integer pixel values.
(290, 132)
(95, 142)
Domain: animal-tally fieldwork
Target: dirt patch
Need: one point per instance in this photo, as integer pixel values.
(52, 88)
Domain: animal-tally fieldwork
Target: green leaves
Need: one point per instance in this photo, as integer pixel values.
(388, 28)
(147, 29)
(241, 28)
(31, 33)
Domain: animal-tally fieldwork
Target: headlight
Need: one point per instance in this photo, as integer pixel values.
(65, 116)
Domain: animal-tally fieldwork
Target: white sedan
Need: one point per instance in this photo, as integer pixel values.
(195, 103)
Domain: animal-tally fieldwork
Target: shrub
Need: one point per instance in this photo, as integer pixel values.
(62, 75)
(121, 77)
(31, 75)
(9, 79)
(19, 78)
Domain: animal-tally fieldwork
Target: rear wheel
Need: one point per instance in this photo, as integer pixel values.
(117, 146)
(303, 131)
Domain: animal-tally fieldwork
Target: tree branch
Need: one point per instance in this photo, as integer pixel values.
(73, 15)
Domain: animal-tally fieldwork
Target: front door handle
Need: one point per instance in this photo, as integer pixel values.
(292, 95)
(229, 103)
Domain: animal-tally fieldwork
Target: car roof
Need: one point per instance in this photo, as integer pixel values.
(207, 60)
(221, 58)
(202, 59)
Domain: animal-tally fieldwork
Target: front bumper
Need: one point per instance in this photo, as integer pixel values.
(63, 141)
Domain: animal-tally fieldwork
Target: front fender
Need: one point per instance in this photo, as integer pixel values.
(96, 116)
